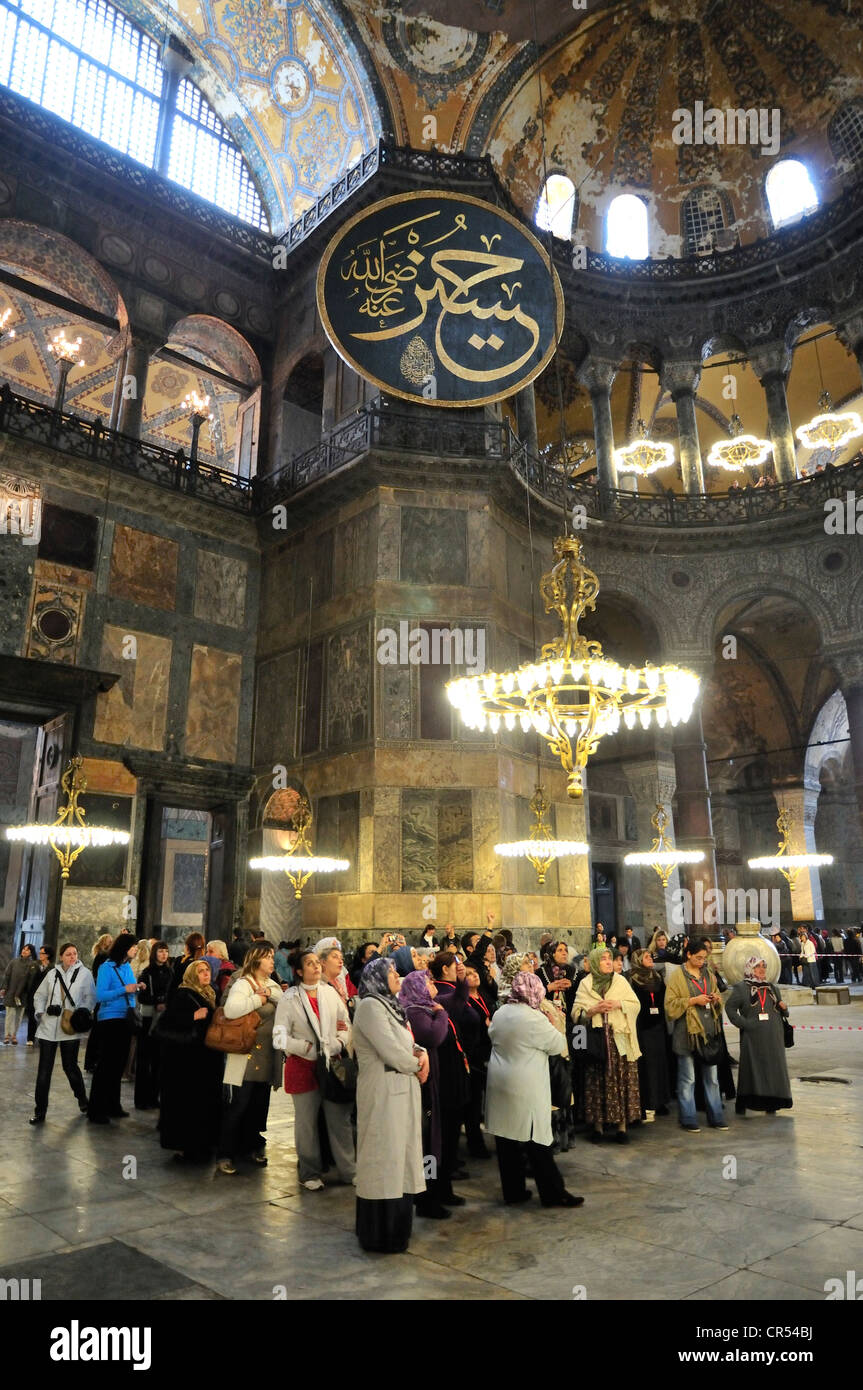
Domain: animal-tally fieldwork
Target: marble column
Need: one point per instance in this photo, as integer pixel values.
(681, 380)
(140, 350)
(597, 375)
(525, 418)
(807, 904)
(694, 819)
(771, 365)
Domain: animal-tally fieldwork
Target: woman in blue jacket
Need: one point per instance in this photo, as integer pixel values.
(116, 993)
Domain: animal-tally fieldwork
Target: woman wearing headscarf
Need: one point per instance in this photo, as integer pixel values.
(333, 973)
(518, 1095)
(483, 957)
(606, 1004)
(311, 1023)
(191, 1074)
(194, 949)
(756, 1008)
(474, 1033)
(250, 1076)
(389, 1132)
(429, 1024)
(694, 1006)
(362, 956)
(649, 989)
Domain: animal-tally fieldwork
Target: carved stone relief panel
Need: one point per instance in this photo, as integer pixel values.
(437, 841)
(348, 686)
(433, 546)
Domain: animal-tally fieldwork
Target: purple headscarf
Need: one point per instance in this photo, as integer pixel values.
(527, 989)
(414, 991)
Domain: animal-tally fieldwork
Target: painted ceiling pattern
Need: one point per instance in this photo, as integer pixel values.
(285, 78)
(30, 369)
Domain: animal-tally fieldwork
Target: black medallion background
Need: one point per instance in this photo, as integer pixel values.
(440, 298)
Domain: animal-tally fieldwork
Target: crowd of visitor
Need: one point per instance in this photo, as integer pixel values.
(390, 1056)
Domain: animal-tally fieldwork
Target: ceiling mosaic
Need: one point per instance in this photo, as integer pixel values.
(287, 79)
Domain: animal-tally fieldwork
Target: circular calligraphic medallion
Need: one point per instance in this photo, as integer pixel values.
(440, 298)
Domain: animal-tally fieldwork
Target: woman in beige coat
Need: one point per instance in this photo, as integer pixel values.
(389, 1134)
(249, 1076)
(607, 1005)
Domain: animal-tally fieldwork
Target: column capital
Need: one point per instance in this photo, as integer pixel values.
(851, 333)
(651, 780)
(596, 374)
(770, 360)
(847, 662)
(680, 378)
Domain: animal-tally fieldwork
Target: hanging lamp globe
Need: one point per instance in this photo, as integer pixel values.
(739, 451)
(830, 429)
(643, 455)
(541, 849)
(574, 696)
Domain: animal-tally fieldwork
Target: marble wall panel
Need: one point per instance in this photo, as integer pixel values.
(433, 546)
(276, 709)
(518, 573)
(388, 542)
(144, 568)
(366, 842)
(336, 833)
(486, 834)
(388, 835)
(134, 711)
(478, 549)
(354, 559)
(455, 841)
(220, 589)
(349, 688)
(55, 623)
(314, 572)
(394, 695)
(419, 842)
(213, 704)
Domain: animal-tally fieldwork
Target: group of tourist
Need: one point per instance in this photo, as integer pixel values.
(810, 954)
(389, 1059)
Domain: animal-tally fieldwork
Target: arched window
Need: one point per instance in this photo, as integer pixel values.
(626, 228)
(205, 159)
(557, 209)
(88, 64)
(790, 192)
(845, 134)
(703, 215)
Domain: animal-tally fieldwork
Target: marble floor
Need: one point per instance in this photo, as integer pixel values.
(770, 1209)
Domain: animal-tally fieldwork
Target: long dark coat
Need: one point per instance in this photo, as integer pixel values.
(762, 1078)
(191, 1080)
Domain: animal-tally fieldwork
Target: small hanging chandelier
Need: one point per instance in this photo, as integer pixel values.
(789, 865)
(830, 429)
(662, 856)
(69, 836)
(740, 450)
(644, 455)
(542, 848)
(299, 863)
(574, 695)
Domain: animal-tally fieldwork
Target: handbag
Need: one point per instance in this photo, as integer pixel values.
(709, 1050)
(561, 1082)
(133, 1023)
(338, 1081)
(232, 1034)
(787, 1030)
(74, 1020)
(596, 1044)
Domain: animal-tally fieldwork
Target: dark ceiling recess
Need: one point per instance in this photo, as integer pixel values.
(306, 384)
(512, 17)
(68, 538)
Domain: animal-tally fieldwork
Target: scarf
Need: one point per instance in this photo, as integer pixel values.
(374, 984)
(414, 992)
(640, 975)
(601, 983)
(190, 981)
(552, 969)
(526, 989)
(403, 960)
(749, 970)
(511, 967)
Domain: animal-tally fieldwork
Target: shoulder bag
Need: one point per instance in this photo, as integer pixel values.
(596, 1043)
(133, 1023)
(338, 1081)
(787, 1025)
(232, 1034)
(74, 1020)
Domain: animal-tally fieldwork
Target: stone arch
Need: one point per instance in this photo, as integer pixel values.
(830, 723)
(28, 249)
(757, 586)
(220, 344)
(722, 342)
(806, 318)
(644, 604)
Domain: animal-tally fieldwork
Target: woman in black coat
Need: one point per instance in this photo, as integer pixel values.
(480, 959)
(191, 1076)
(648, 987)
(156, 979)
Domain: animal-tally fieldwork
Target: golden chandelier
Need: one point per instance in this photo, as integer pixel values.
(574, 695)
(299, 863)
(740, 450)
(541, 848)
(69, 835)
(644, 455)
(662, 856)
(789, 865)
(830, 430)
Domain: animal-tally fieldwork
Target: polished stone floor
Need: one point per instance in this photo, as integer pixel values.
(664, 1217)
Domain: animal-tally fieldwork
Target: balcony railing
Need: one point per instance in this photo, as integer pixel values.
(89, 439)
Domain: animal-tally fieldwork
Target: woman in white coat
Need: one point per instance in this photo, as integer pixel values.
(312, 1021)
(389, 1131)
(518, 1095)
(68, 986)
